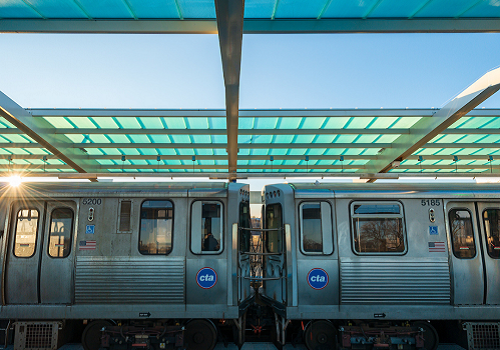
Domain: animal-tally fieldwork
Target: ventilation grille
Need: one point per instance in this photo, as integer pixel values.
(483, 335)
(36, 335)
(125, 210)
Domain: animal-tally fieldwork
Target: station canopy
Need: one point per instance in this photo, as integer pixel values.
(456, 139)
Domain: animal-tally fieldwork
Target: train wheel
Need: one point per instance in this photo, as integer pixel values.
(321, 335)
(431, 338)
(200, 335)
(91, 337)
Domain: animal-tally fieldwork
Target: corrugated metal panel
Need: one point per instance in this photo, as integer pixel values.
(138, 280)
(394, 282)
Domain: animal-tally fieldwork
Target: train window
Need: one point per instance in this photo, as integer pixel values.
(378, 227)
(155, 235)
(26, 232)
(125, 216)
(245, 235)
(61, 226)
(462, 234)
(206, 227)
(274, 220)
(492, 226)
(316, 228)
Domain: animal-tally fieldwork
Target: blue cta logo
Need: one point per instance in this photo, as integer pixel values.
(206, 278)
(317, 278)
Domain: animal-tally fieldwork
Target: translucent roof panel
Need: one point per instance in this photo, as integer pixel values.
(256, 9)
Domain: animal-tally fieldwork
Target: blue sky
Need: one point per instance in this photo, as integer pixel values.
(278, 71)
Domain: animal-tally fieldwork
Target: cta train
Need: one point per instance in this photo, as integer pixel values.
(367, 266)
(170, 265)
(155, 265)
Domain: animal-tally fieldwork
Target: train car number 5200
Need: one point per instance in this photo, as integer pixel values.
(91, 201)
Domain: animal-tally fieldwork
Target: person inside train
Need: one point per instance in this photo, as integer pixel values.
(210, 243)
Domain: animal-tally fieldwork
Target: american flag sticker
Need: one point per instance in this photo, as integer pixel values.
(87, 245)
(437, 247)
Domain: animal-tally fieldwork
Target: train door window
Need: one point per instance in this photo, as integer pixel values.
(316, 228)
(491, 219)
(245, 235)
(378, 227)
(274, 220)
(206, 227)
(61, 227)
(462, 234)
(155, 235)
(26, 232)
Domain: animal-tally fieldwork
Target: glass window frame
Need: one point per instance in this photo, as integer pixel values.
(487, 233)
(140, 226)
(473, 233)
(222, 220)
(330, 246)
(245, 236)
(401, 216)
(279, 230)
(15, 233)
(70, 235)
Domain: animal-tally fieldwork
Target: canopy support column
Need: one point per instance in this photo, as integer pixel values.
(230, 28)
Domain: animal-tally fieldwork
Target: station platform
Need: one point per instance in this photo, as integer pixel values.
(258, 346)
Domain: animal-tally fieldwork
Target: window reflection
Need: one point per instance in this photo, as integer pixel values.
(312, 232)
(155, 235)
(378, 228)
(273, 221)
(492, 226)
(61, 226)
(26, 232)
(462, 233)
(211, 227)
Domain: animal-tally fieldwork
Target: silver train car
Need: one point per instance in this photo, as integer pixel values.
(144, 256)
(367, 266)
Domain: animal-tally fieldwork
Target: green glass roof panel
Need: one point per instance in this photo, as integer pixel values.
(150, 123)
(56, 9)
(348, 8)
(197, 9)
(106, 9)
(58, 122)
(445, 8)
(266, 123)
(400, 9)
(336, 123)
(299, 9)
(167, 151)
(484, 9)
(283, 139)
(126, 123)
(17, 9)
(154, 8)
(104, 122)
(358, 123)
(161, 139)
(406, 122)
(78, 122)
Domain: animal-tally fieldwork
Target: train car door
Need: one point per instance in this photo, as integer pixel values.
(466, 253)
(489, 222)
(39, 254)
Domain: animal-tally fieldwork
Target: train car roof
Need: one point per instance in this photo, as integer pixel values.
(152, 189)
(397, 190)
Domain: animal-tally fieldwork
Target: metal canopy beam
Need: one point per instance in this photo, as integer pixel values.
(42, 132)
(245, 113)
(253, 26)
(355, 145)
(230, 27)
(426, 129)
